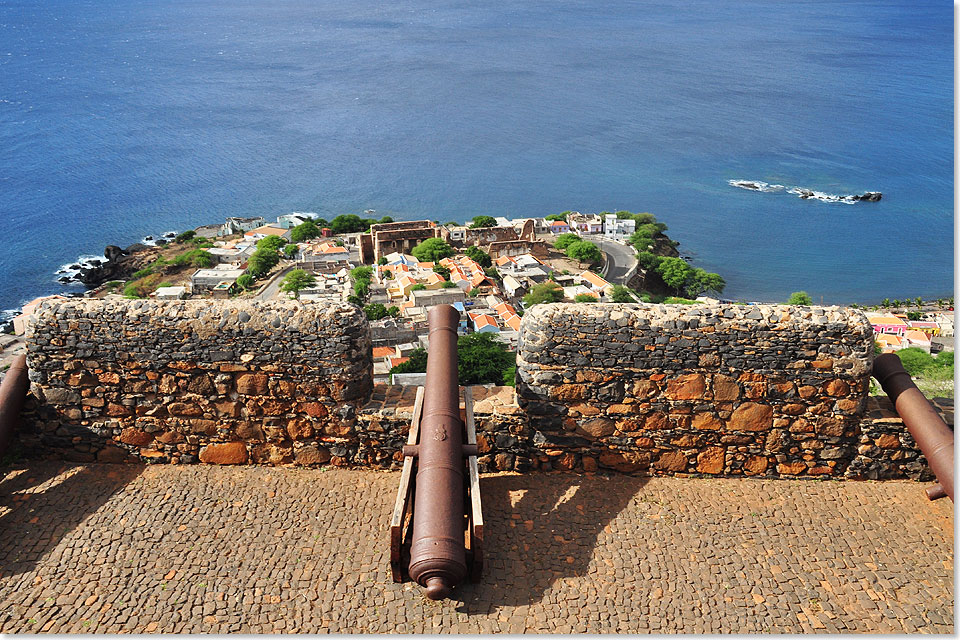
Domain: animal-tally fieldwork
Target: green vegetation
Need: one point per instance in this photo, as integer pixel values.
(584, 297)
(446, 284)
(245, 281)
(558, 216)
(564, 240)
(271, 243)
(290, 251)
(481, 359)
(306, 230)
(681, 277)
(479, 256)
(360, 276)
(352, 223)
(933, 375)
(376, 311)
(621, 293)
(296, 281)
(262, 261)
(675, 300)
(194, 258)
(185, 236)
(483, 221)
(442, 271)
(418, 287)
(548, 291)
(142, 287)
(432, 250)
(393, 311)
(800, 297)
(585, 251)
(382, 261)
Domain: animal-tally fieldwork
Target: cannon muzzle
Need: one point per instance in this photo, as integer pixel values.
(928, 429)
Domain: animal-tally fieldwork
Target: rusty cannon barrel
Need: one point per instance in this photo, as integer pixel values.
(437, 554)
(928, 429)
(13, 391)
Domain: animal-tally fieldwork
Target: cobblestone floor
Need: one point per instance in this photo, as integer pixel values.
(110, 548)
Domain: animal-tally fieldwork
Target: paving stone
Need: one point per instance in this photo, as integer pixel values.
(210, 549)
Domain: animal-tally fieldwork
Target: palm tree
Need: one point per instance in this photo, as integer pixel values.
(919, 302)
(940, 302)
(886, 303)
(896, 303)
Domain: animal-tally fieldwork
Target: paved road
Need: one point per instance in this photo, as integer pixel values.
(621, 257)
(197, 549)
(274, 287)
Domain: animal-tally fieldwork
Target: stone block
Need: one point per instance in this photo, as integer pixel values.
(751, 416)
(226, 453)
(711, 460)
(686, 387)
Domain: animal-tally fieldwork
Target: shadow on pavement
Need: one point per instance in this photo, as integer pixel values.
(540, 528)
(41, 502)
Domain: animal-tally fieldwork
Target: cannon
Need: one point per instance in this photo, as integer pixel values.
(928, 429)
(13, 392)
(437, 526)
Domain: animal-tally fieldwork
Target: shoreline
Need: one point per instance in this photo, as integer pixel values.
(88, 261)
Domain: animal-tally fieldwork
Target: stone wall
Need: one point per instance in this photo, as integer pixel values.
(723, 389)
(227, 381)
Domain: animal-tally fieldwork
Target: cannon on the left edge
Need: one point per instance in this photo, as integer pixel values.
(437, 528)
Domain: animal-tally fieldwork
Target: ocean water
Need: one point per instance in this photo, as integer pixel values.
(122, 119)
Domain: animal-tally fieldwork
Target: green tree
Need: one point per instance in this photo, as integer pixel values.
(296, 281)
(896, 303)
(483, 221)
(801, 298)
(944, 360)
(272, 243)
(918, 302)
(479, 256)
(361, 273)
(548, 291)
(306, 230)
(416, 364)
(481, 359)
(382, 261)
(915, 360)
(648, 260)
(584, 297)
(432, 250)
(375, 311)
(885, 303)
(702, 281)
(621, 294)
(564, 240)
(393, 311)
(262, 261)
(442, 271)
(418, 287)
(446, 284)
(291, 250)
(349, 223)
(675, 272)
(558, 216)
(245, 281)
(585, 252)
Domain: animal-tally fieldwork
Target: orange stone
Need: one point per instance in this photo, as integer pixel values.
(568, 392)
(644, 389)
(791, 468)
(643, 443)
(228, 409)
(251, 384)
(109, 378)
(820, 471)
(687, 440)
(589, 464)
(583, 410)
(226, 453)
(656, 421)
(312, 455)
(725, 388)
(686, 387)
(671, 461)
(822, 364)
(598, 427)
(184, 409)
(888, 441)
(711, 460)
(299, 429)
(706, 421)
(755, 465)
(847, 405)
(625, 461)
(793, 409)
(754, 390)
(751, 416)
(807, 391)
(619, 409)
(837, 388)
(117, 410)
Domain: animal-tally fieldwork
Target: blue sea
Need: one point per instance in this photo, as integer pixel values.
(122, 119)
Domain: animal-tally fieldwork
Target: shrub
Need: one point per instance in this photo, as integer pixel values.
(446, 284)
(306, 230)
(584, 252)
(481, 359)
(245, 281)
(544, 292)
(271, 243)
(393, 311)
(648, 260)
(584, 297)
(142, 287)
(432, 250)
(915, 360)
(194, 258)
(296, 281)
(375, 311)
(621, 294)
(479, 256)
(483, 221)
(564, 240)
(800, 297)
(442, 271)
(675, 272)
(418, 287)
(186, 235)
(382, 261)
(143, 273)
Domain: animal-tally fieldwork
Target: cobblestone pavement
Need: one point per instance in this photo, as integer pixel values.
(109, 548)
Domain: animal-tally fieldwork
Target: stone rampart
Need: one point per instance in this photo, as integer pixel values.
(227, 381)
(719, 389)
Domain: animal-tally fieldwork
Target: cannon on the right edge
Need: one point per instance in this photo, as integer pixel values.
(928, 429)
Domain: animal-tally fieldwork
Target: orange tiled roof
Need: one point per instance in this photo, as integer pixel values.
(594, 279)
(513, 322)
(398, 360)
(266, 230)
(917, 336)
(887, 338)
(483, 320)
(384, 352)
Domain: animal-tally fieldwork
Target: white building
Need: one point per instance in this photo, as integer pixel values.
(241, 225)
(616, 228)
(290, 220)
